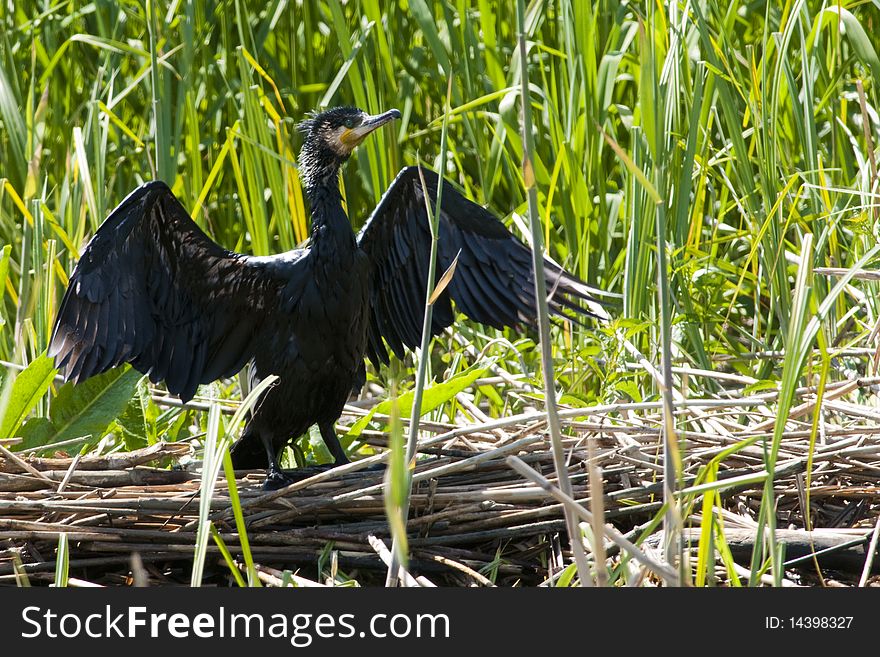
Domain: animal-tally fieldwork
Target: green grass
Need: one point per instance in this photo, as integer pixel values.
(701, 164)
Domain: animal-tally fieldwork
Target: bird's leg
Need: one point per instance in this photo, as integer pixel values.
(328, 433)
(275, 477)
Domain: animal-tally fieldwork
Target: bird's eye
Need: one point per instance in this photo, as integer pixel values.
(350, 123)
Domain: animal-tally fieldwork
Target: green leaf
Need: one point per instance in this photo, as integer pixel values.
(761, 386)
(855, 33)
(572, 400)
(425, 18)
(493, 396)
(29, 386)
(138, 421)
(433, 397)
(35, 432)
(5, 252)
(567, 576)
(397, 483)
(629, 388)
(87, 408)
(14, 124)
(62, 562)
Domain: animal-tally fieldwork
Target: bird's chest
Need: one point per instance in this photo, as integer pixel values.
(331, 321)
(341, 288)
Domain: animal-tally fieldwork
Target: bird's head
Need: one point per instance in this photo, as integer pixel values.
(331, 136)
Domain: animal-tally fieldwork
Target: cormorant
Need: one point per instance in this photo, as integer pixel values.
(152, 289)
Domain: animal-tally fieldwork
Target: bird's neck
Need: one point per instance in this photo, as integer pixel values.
(329, 221)
(319, 170)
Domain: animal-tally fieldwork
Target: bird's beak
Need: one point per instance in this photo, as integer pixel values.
(355, 136)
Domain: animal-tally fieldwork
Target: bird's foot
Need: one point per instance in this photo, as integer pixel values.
(277, 478)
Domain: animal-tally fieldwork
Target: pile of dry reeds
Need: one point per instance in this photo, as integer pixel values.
(474, 520)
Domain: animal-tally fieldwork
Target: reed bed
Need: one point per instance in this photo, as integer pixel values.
(474, 521)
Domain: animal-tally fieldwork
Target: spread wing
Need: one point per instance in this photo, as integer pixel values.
(493, 282)
(153, 290)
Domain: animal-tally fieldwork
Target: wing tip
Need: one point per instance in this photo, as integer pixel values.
(142, 191)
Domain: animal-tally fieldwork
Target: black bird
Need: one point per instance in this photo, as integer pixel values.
(153, 290)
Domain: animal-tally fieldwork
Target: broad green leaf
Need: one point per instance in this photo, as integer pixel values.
(574, 401)
(138, 421)
(493, 395)
(629, 388)
(35, 432)
(86, 409)
(567, 576)
(433, 397)
(29, 386)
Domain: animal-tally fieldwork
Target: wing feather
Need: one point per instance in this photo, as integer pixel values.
(153, 290)
(493, 281)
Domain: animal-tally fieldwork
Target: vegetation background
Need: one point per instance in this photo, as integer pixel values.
(740, 136)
